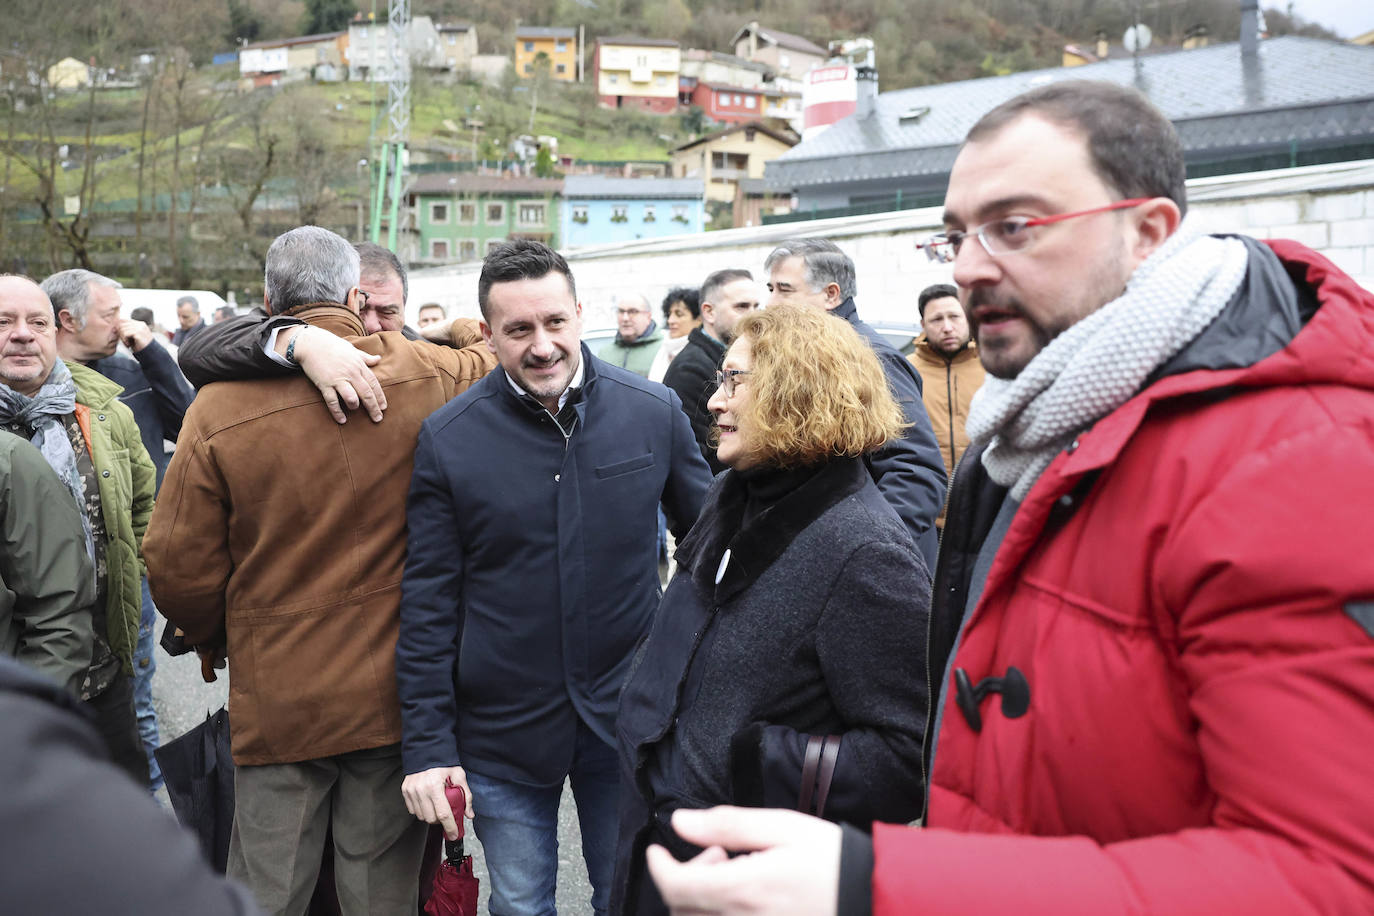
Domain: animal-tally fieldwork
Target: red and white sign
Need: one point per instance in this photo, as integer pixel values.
(829, 93)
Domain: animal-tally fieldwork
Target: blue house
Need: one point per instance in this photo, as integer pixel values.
(598, 209)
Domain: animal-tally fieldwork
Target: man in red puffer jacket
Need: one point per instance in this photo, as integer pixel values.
(1153, 626)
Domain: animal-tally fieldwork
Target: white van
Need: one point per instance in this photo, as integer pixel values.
(163, 302)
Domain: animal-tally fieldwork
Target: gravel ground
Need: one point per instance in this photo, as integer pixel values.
(183, 700)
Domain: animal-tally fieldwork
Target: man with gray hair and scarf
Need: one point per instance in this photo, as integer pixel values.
(1152, 630)
(73, 415)
(298, 527)
(908, 471)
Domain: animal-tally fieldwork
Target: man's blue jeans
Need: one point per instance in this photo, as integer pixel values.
(145, 663)
(517, 826)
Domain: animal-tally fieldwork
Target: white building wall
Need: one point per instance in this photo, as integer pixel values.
(1328, 207)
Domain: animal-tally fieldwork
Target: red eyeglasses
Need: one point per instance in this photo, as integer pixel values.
(1009, 234)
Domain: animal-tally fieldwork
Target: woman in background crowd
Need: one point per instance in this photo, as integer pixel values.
(681, 313)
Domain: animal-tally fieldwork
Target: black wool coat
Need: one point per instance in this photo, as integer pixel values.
(816, 626)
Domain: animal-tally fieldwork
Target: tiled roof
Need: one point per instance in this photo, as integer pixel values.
(612, 188)
(1295, 89)
(785, 39)
(467, 183)
(752, 125)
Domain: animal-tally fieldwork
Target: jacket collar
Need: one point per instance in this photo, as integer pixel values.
(651, 335)
(925, 352)
(578, 398)
(333, 317)
(1314, 322)
(714, 347)
(846, 310)
(755, 546)
(92, 388)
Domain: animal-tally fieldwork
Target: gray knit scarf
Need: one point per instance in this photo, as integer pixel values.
(1098, 364)
(44, 412)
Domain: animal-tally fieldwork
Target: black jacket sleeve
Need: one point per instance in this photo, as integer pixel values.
(76, 835)
(171, 392)
(909, 470)
(233, 349)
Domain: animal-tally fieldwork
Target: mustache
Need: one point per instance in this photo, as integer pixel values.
(978, 298)
(532, 363)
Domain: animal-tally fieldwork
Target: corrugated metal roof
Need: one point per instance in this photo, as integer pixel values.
(467, 183)
(634, 40)
(1295, 88)
(613, 188)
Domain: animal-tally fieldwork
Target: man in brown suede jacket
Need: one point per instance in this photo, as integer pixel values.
(297, 529)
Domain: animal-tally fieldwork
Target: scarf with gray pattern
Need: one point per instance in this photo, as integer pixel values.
(1099, 363)
(44, 413)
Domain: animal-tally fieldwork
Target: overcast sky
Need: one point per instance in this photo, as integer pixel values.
(1347, 18)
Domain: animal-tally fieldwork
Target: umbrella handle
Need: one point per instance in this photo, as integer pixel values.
(457, 800)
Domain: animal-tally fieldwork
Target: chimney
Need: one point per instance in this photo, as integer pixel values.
(866, 78)
(1103, 49)
(1249, 27)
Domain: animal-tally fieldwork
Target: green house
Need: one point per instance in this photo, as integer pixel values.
(460, 217)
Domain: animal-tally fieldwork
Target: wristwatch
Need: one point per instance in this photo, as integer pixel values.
(291, 348)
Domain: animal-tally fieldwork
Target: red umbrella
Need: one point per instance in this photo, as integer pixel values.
(455, 886)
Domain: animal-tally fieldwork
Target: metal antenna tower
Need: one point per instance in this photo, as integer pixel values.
(392, 161)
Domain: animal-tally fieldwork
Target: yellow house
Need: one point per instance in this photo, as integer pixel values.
(69, 73)
(559, 45)
(638, 73)
(725, 157)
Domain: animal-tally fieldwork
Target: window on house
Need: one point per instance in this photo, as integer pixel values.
(467, 213)
(661, 80)
(362, 31)
(531, 214)
(612, 78)
(438, 213)
(649, 214)
(492, 243)
(438, 249)
(529, 68)
(529, 46)
(750, 101)
(680, 212)
(784, 61)
(467, 250)
(561, 46)
(749, 134)
(579, 213)
(620, 213)
(561, 69)
(496, 211)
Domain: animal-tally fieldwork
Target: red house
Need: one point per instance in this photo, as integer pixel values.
(728, 104)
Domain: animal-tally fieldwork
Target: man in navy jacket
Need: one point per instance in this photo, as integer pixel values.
(531, 576)
(908, 471)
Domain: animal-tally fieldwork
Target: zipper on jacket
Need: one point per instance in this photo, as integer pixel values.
(949, 404)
